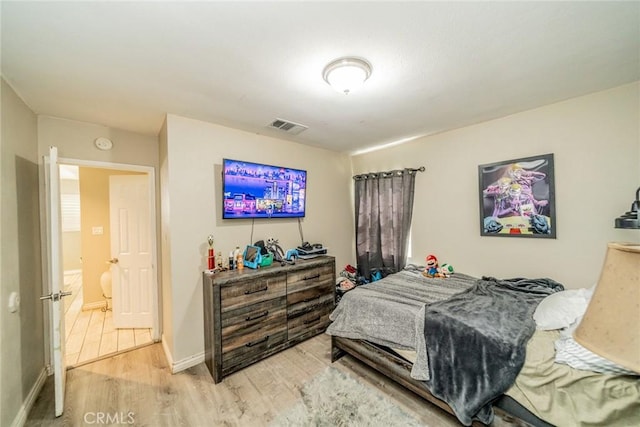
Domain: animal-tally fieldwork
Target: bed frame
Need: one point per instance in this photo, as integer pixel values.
(395, 367)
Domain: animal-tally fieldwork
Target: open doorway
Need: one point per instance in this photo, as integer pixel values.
(88, 227)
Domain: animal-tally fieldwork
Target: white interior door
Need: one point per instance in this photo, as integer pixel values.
(131, 252)
(56, 280)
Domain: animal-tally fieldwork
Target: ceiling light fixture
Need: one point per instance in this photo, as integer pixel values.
(347, 74)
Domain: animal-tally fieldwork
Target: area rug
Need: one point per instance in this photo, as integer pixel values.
(333, 398)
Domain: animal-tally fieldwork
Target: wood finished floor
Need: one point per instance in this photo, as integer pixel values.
(139, 382)
(90, 334)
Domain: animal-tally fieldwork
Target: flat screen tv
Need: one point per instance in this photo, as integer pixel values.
(255, 190)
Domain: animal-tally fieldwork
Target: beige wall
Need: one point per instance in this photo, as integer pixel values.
(596, 144)
(191, 185)
(21, 333)
(71, 251)
(94, 212)
(75, 140)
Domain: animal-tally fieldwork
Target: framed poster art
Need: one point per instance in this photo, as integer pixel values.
(517, 198)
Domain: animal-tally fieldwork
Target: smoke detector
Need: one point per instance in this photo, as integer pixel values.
(103, 143)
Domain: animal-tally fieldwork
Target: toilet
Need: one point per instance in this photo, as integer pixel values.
(105, 284)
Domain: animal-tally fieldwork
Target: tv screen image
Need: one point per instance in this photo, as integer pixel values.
(255, 190)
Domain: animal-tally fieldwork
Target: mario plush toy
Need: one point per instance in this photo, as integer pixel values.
(431, 269)
(434, 270)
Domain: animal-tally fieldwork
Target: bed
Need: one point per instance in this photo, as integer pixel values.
(470, 346)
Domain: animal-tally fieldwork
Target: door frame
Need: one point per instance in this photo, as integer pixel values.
(156, 333)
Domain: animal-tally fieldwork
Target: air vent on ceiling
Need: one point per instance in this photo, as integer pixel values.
(287, 126)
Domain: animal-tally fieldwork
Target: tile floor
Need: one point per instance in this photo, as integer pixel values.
(90, 334)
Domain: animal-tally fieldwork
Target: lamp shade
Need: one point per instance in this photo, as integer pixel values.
(611, 325)
(346, 75)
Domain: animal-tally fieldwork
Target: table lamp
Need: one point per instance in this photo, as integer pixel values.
(629, 219)
(611, 325)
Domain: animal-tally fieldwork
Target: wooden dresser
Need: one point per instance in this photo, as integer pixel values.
(252, 314)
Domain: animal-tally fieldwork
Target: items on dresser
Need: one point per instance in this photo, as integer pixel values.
(308, 251)
(252, 257)
(276, 250)
(211, 254)
(252, 314)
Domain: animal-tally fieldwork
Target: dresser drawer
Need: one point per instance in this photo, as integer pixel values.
(310, 299)
(309, 278)
(262, 321)
(249, 323)
(254, 350)
(312, 322)
(252, 291)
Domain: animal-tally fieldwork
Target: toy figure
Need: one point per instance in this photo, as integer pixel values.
(278, 254)
(431, 269)
(446, 270)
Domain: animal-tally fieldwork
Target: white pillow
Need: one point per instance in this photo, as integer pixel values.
(562, 309)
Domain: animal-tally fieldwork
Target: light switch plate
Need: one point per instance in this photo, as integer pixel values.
(14, 302)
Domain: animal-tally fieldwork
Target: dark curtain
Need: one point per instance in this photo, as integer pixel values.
(383, 206)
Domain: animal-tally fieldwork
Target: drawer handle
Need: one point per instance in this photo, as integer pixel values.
(309, 299)
(311, 278)
(256, 291)
(251, 344)
(258, 316)
(314, 320)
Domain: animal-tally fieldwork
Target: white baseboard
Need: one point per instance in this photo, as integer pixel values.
(187, 362)
(183, 364)
(21, 416)
(93, 305)
(167, 353)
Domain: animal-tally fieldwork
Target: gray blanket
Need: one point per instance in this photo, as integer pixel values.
(476, 342)
(389, 311)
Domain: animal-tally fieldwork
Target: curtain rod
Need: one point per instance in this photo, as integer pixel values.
(388, 174)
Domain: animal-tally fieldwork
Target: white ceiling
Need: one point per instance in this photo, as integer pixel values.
(436, 65)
